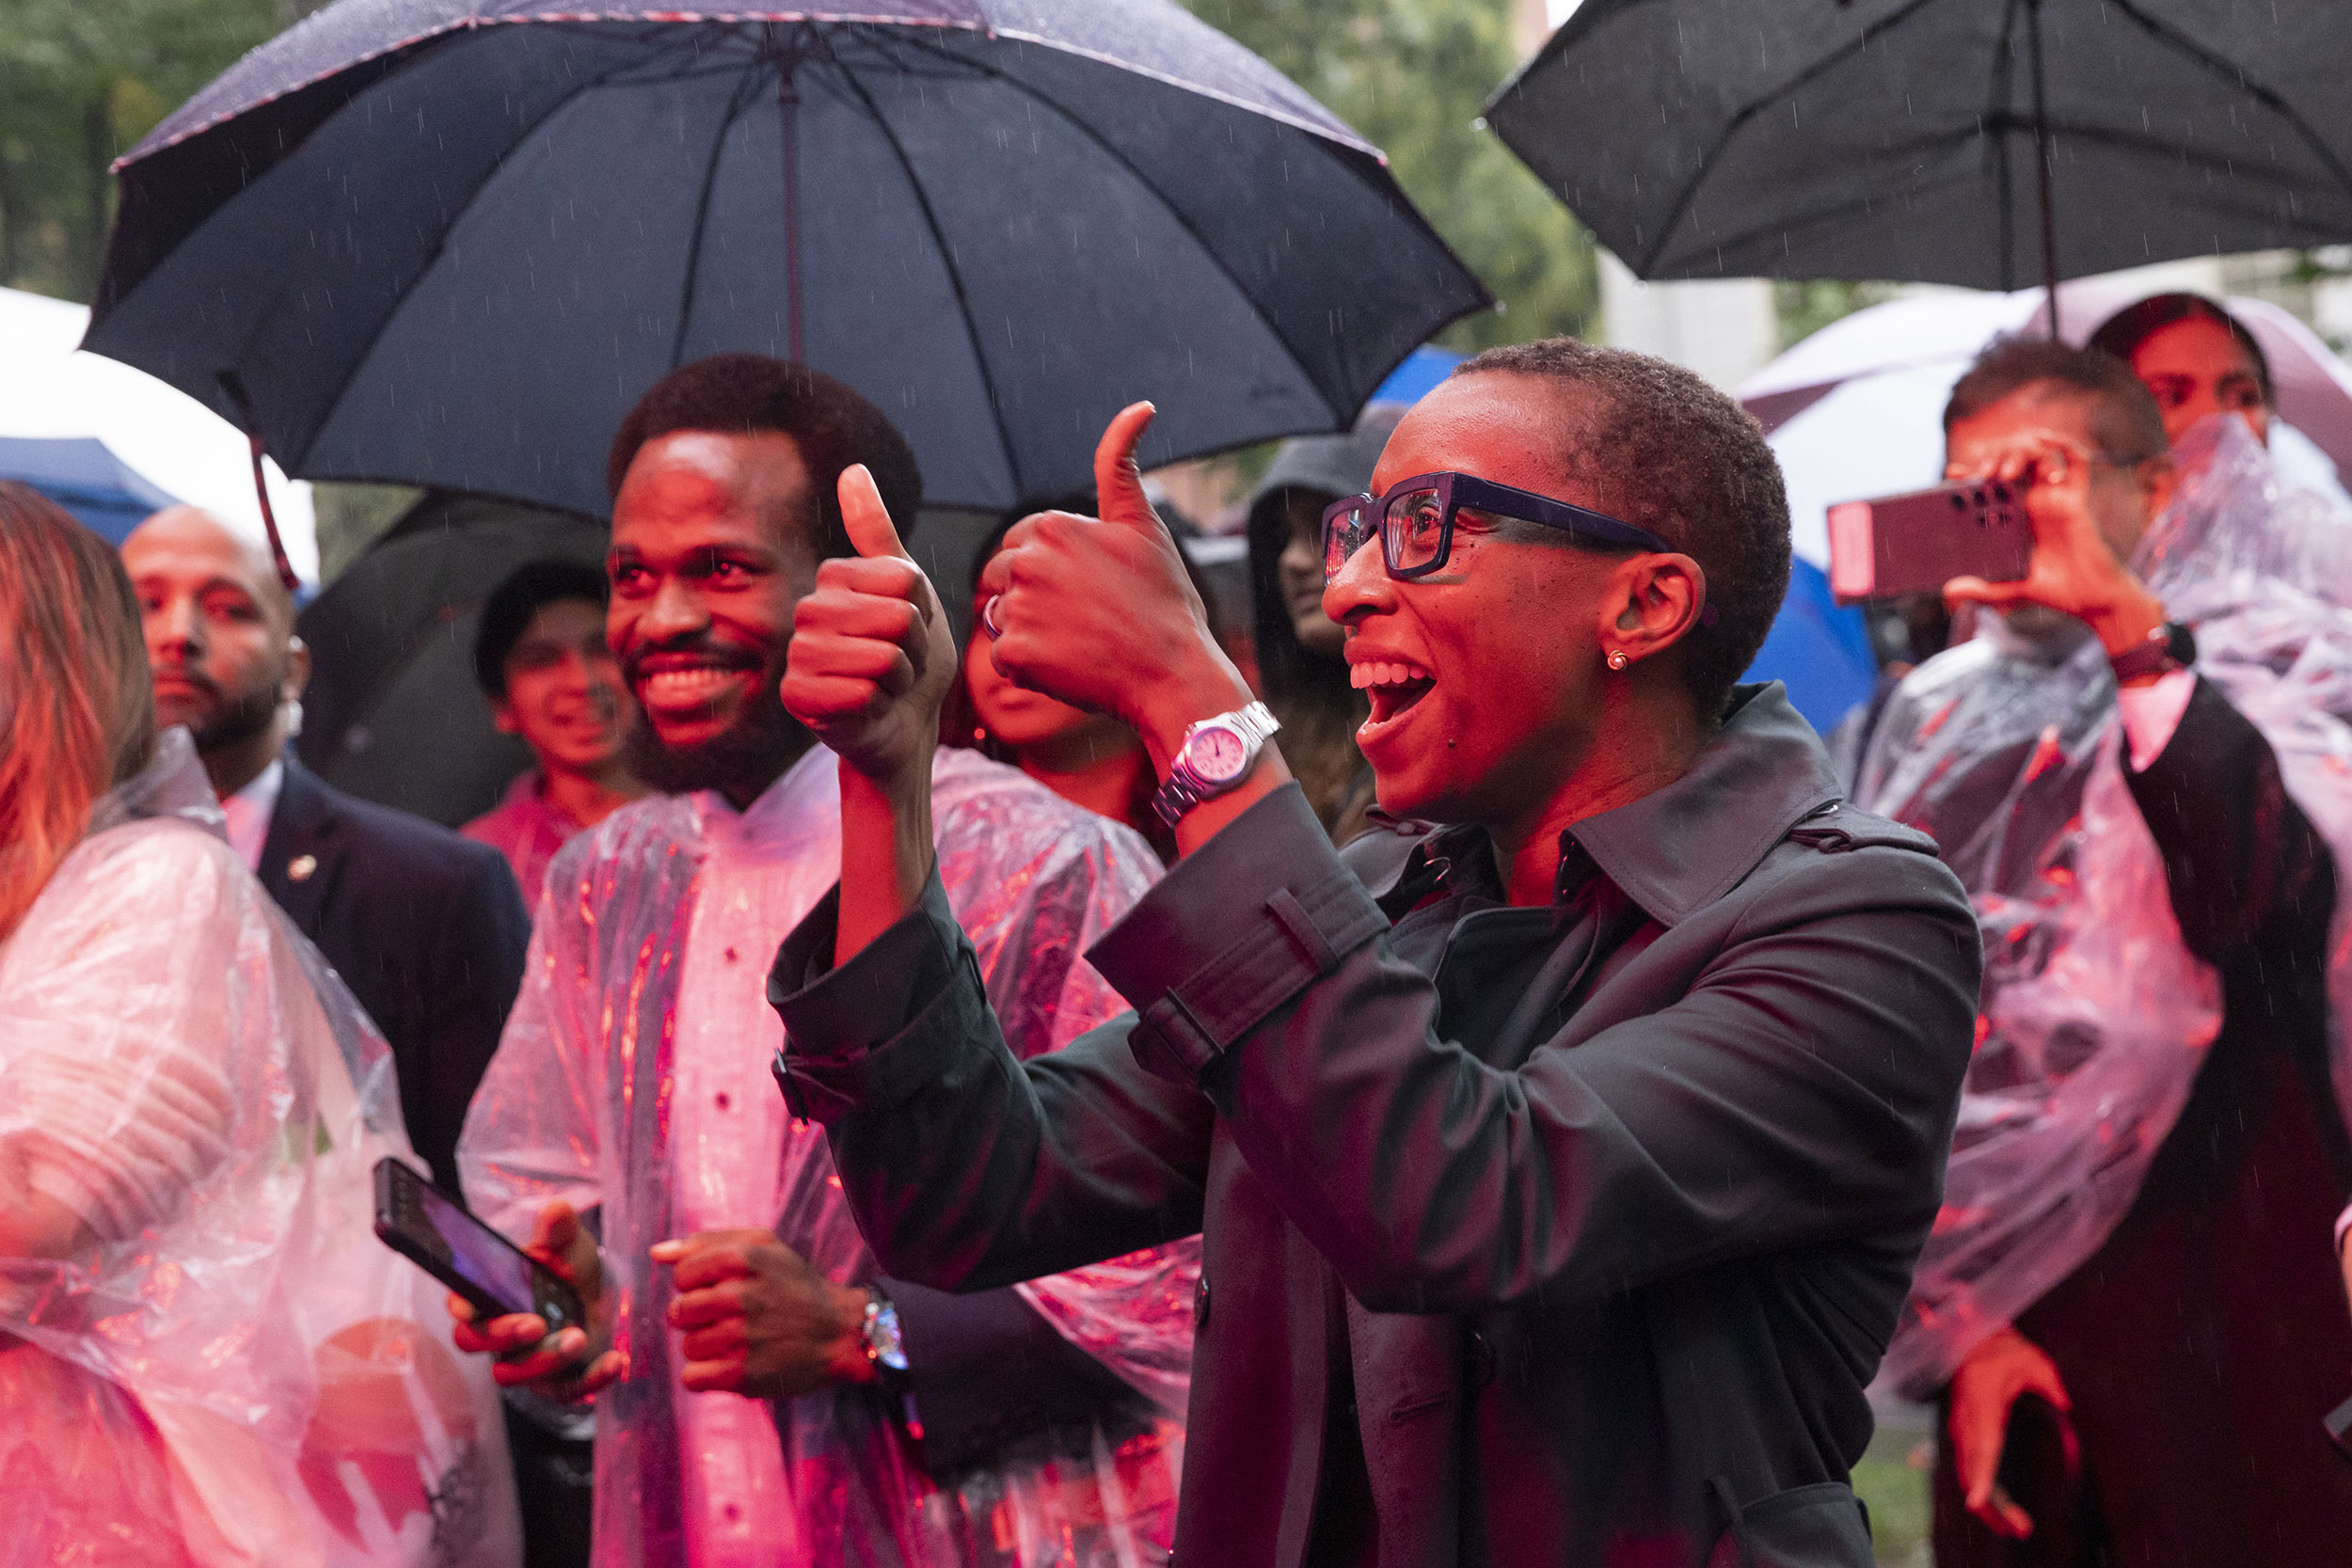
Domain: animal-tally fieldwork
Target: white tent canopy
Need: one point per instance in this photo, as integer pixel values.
(48, 388)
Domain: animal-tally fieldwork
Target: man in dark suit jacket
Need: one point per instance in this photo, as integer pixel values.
(427, 928)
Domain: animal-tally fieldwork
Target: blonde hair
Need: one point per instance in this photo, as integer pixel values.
(77, 710)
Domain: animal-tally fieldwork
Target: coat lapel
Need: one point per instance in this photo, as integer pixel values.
(299, 861)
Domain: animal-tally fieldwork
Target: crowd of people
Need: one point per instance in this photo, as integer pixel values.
(1487, 1087)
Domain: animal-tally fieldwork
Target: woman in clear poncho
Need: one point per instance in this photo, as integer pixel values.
(205, 1357)
(584, 1104)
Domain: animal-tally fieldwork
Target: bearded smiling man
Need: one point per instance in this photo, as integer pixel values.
(1562, 1177)
(426, 928)
(767, 1397)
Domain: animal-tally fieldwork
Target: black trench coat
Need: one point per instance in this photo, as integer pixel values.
(1570, 1234)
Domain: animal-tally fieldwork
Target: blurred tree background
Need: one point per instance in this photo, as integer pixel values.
(1411, 76)
(80, 82)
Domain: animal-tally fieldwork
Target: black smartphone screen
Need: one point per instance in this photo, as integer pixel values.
(480, 1255)
(425, 1225)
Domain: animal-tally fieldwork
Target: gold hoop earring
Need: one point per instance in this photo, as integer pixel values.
(1617, 659)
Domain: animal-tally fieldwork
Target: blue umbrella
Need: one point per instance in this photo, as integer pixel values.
(448, 241)
(80, 474)
(1421, 371)
(1819, 649)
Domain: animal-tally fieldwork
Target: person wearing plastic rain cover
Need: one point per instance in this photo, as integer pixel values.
(2139, 769)
(1029, 1426)
(207, 1359)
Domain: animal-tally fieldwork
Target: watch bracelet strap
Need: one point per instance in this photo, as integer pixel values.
(897, 1382)
(1177, 794)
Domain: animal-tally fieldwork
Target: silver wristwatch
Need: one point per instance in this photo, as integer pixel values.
(1217, 753)
(885, 1344)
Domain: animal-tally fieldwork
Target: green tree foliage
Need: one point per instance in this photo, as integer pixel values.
(1411, 76)
(80, 81)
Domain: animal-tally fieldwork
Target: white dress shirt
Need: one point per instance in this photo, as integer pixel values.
(766, 869)
(250, 810)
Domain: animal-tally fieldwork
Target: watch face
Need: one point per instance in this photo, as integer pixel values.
(1218, 755)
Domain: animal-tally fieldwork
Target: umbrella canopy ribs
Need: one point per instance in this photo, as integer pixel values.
(1992, 144)
(448, 241)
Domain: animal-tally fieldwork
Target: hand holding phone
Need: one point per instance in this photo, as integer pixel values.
(539, 1310)
(2086, 511)
(570, 1362)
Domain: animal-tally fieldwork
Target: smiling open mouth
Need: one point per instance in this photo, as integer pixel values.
(689, 688)
(1392, 685)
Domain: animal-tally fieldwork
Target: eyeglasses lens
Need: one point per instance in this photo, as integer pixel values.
(1343, 533)
(1413, 530)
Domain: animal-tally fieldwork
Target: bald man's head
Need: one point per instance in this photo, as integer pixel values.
(193, 530)
(220, 641)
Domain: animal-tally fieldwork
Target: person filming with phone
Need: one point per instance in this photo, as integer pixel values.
(1560, 1185)
(2127, 1310)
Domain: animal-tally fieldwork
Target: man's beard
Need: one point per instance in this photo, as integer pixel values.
(241, 717)
(740, 761)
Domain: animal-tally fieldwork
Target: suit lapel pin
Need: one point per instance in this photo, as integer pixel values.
(300, 868)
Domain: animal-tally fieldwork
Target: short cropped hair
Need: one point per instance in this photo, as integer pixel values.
(2124, 418)
(516, 601)
(2122, 334)
(832, 423)
(1659, 448)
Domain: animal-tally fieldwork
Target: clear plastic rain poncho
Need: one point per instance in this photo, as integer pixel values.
(2095, 1016)
(585, 1102)
(235, 1371)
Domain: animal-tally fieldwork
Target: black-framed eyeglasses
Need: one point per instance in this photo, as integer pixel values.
(1414, 520)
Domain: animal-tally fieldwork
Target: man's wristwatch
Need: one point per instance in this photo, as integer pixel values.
(886, 1353)
(885, 1345)
(2169, 647)
(1217, 753)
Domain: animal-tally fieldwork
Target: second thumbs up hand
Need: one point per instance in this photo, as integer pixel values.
(1099, 613)
(872, 656)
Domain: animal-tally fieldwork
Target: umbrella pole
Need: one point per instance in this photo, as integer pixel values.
(233, 385)
(2041, 158)
(788, 100)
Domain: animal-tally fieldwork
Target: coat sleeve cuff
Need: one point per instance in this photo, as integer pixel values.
(1237, 929)
(986, 1370)
(869, 1033)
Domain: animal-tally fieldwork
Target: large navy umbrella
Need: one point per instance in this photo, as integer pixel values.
(1988, 143)
(448, 241)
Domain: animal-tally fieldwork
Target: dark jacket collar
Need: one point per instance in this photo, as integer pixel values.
(305, 804)
(301, 826)
(1677, 849)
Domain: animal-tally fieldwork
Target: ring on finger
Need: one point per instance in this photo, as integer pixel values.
(988, 616)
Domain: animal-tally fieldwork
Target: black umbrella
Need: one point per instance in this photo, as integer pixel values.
(448, 241)
(1987, 143)
(392, 713)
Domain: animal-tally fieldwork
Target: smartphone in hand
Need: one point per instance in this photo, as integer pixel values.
(1898, 545)
(442, 1237)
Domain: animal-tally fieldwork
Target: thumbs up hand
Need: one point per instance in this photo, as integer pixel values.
(1100, 613)
(872, 656)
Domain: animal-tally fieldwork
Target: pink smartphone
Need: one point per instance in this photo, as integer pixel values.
(1898, 545)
